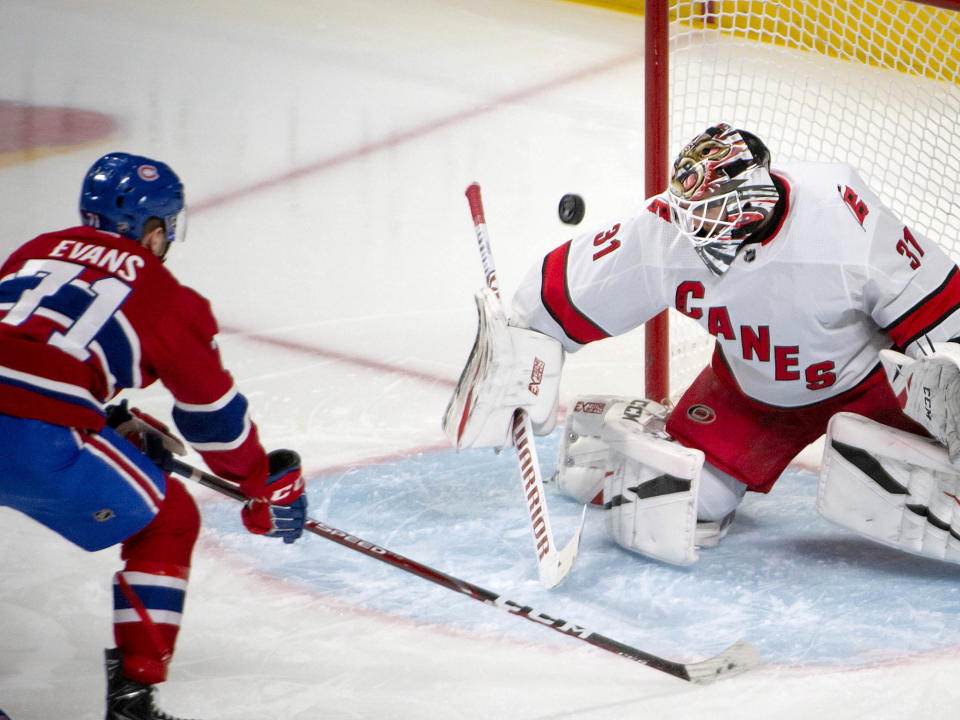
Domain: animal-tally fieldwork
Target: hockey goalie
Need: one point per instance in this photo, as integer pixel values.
(831, 316)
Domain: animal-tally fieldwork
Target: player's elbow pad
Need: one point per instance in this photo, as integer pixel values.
(508, 368)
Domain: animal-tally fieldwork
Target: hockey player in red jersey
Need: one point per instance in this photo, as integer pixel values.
(812, 288)
(84, 313)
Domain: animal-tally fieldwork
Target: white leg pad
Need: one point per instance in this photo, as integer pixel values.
(651, 492)
(891, 486)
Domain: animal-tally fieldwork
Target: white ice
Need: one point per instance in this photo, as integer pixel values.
(325, 147)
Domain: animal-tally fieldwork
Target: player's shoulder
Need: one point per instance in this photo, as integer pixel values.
(810, 171)
(821, 181)
(190, 311)
(832, 196)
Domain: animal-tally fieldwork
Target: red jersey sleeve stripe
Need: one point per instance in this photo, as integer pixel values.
(927, 313)
(555, 296)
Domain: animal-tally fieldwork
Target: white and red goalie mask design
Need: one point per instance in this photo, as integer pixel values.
(721, 192)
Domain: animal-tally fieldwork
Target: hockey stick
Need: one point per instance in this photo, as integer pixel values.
(552, 564)
(737, 658)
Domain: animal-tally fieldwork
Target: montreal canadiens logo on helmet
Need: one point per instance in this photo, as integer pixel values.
(148, 172)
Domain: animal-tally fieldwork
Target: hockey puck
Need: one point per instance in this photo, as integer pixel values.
(571, 209)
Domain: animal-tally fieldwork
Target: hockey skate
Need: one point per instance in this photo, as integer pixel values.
(129, 699)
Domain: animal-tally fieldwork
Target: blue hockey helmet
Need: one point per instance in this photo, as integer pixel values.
(121, 192)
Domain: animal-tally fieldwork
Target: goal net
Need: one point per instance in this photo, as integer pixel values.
(875, 83)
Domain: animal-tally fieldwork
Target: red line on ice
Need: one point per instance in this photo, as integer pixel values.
(417, 132)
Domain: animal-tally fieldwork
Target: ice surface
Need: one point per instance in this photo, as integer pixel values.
(326, 147)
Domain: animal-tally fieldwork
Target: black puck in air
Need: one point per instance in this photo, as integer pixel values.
(571, 209)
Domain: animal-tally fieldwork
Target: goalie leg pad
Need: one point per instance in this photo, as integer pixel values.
(651, 493)
(891, 486)
(509, 368)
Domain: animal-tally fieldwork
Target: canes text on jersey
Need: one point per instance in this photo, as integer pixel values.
(755, 344)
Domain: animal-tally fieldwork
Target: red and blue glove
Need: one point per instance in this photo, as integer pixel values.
(282, 510)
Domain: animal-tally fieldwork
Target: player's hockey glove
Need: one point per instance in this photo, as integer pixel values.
(282, 510)
(152, 437)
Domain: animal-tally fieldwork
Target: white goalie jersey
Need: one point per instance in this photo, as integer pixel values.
(798, 318)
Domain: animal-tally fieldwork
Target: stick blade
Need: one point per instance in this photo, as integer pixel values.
(738, 658)
(557, 564)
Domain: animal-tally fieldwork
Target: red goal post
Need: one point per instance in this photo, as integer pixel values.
(875, 83)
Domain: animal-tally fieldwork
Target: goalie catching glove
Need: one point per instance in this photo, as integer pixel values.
(509, 368)
(928, 389)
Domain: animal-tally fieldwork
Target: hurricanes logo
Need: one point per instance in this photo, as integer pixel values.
(853, 202)
(702, 414)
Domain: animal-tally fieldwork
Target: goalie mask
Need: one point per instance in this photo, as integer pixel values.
(721, 193)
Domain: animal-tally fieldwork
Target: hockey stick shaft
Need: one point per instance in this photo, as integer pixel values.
(475, 201)
(732, 661)
(553, 564)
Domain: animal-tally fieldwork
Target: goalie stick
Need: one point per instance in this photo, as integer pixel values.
(553, 564)
(736, 659)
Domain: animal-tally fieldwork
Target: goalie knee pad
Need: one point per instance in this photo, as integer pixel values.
(584, 456)
(891, 486)
(615, 452)
(509, 368)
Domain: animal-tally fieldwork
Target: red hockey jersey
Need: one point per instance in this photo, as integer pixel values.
(85, 314)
